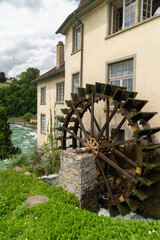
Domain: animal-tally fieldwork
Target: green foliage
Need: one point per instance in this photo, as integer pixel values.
(6, 146)
(20, 210)
(20, 97)
(28, 76)
(60, 218)
(48, 160)
(21, 160)
(27, 116)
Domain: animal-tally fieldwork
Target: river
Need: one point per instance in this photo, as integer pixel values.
(24, 138)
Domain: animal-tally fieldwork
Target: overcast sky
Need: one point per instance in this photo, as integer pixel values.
(27, 33)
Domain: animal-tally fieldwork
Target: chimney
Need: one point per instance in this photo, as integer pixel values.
(82, 2)
(60, 54)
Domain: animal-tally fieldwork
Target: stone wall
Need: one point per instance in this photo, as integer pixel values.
(78, 175)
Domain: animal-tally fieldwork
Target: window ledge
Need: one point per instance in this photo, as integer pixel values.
(133, 26)
(44, 133)
(59, 102)
(75, 52)
(42, 103)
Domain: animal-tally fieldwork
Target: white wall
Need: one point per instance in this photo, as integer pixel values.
(51, 99)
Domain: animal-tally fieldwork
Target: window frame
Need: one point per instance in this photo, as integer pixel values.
(130, 15)
(43, 95)
(141, 11)
(60, 99)
(73, 83)
(138, 14)
(58, 124)
(77, 38)
(122, 59)
(122, 77)
(43, 123)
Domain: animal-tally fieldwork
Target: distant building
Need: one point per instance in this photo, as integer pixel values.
(33, 119)
(9, 80)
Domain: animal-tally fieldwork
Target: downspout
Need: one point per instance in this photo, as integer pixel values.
(81, 60)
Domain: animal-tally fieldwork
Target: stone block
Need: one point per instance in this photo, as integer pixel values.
(78, 176)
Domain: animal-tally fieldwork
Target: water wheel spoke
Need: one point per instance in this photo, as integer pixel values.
(105, 180)
(86, 130)
(118, 128)
(107, 123)
(114, 165)
(95, 121)
(92, 116)
(79, 119)
(124, 157)
(107, 117)
(74, 135)
(114, 144)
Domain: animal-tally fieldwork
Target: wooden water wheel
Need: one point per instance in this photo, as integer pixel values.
(127, 168)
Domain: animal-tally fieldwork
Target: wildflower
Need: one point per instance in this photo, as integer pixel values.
(76, 207)
(36, 218)
(153, 231)
(150, 232)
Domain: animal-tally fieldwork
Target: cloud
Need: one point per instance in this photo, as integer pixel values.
(28, 33)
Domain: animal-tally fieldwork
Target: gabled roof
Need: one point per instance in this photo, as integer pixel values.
(53, 72)
(85, 7)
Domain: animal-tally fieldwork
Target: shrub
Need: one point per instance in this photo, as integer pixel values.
(18, 160)
(27, 116)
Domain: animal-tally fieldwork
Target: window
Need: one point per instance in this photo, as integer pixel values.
(43, 95)
(146, 9)
(129, 13)
(120, 136)
(43, 123)
(77, 38)
(59, 125)
(76, 82)
(123, 14)
(121, 74)
(60, 92)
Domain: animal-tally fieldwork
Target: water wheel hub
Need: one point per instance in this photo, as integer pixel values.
(92, 145)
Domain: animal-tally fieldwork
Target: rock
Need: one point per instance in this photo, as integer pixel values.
(18, 169)
(34, 200)
(51, 179)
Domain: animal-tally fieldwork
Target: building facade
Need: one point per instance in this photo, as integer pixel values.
(107, 41)
(50, 97)
(116, 42)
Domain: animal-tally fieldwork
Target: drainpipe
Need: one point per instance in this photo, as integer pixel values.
(81, 61)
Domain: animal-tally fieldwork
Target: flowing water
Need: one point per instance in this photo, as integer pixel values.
(24, 138)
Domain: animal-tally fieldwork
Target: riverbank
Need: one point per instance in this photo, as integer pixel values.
(20, 121)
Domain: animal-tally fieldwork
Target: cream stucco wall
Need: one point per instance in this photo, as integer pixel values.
(141, 42)
(51, 103)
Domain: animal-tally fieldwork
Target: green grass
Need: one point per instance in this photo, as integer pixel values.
(59, 218)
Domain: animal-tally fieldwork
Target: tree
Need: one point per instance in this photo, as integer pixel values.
(20, 97)
(2, 77)
(6, 146)
(28, 76)
(27, 116)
